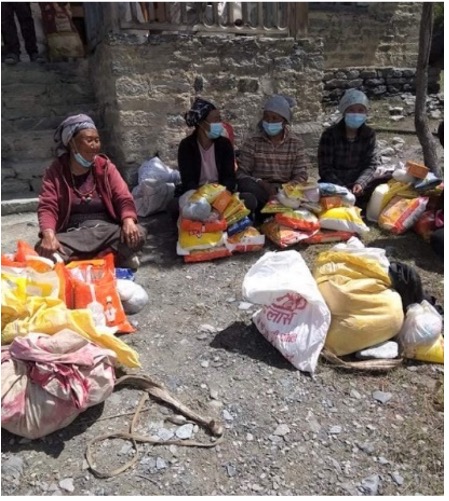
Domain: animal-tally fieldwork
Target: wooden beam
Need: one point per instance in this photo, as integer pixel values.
(298, 19)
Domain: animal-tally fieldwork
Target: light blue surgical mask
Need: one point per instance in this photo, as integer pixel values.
(215, 130)
(272, 129)
(82, 161)
(355, 120)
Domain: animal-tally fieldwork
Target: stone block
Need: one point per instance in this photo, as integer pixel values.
(353, 74)
(328, 75)
(407, 73)
(374, 82)
(368, 74)
(355, 83)
(379, 90)
(340, 75)
(15, 186)
(396, 81)
(336, 84)
(248, 85)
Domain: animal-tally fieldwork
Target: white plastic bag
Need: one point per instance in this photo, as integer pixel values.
(422, 327)
(155, 169)
(133, 296)
(356, 247)
(151, 196)
(294, 317)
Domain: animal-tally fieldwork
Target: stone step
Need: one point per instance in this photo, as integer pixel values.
(47, 73)
(19, 204)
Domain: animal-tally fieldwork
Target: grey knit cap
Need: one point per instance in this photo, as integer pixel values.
(282, 105)
(350, 97)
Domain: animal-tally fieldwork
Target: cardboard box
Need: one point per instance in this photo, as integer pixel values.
(417, 170)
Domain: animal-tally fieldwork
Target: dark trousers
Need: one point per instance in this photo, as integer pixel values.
(9, 31)
(437, 242)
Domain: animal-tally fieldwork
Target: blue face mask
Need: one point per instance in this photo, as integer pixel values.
(215, 130)
(82, 161)
(355, 120)
(272, 129)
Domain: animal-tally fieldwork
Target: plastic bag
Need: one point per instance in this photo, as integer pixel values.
(294, 317)
(208, 191)
(284, 200)
(198, 256)
(247, 240)
(151, 196)
(283, 236)
(190, 240)
(94, 287)
(402, 213)
(47, 381)
(300, 219)
(133, 296)
(239, 226)
(422, 327)
(327, 236)
(273, 205)
(222, 201)
(356, 288)
(343, 219)
(202, 227)
(425, 225)
(199, 210)
(155, 169)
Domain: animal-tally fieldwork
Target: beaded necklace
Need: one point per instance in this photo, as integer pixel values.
(87, 196)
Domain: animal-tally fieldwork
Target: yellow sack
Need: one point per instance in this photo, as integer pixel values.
(209, 191)
(50, 315)
(343, 219)
(365, 311)
(191, 240)
(396, 188)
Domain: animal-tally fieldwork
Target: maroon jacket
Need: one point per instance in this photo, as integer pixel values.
(55, 197)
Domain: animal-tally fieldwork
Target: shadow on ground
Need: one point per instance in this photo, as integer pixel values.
(53, 444)
(246, 340)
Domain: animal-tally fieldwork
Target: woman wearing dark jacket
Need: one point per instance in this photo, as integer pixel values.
(206, 156)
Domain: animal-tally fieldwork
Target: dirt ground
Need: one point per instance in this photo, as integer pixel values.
(194, 339)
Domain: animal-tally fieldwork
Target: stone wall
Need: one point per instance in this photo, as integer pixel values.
(143, 89)
(381, 34)
(375, 82)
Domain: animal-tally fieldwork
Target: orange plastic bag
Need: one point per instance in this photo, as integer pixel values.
(203, 227)
(331, 202)
(402, 213)
(198, 256)
(248, 240)
(283, 236)
(300, 219)
(93, 286)
(326, 236)
(222, 201)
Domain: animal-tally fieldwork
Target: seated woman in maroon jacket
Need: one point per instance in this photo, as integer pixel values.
(206, 156)
(85, 206)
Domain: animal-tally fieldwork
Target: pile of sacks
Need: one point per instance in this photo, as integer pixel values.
(401, 204)
(348, 305)
(214, 223)
(312, 213)
(59, 349)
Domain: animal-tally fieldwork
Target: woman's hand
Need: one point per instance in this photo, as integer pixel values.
(357, 189)
(130, 233)
(49, 245)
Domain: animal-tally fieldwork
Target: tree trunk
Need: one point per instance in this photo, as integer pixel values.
(421, 122)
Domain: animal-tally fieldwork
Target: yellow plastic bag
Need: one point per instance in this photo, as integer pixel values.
(365, 311)
(209, 191)
(343, 219)
(190, 240)
(433, 353)
(396, 188)
(49, 316)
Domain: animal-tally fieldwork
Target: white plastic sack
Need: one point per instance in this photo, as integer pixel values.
(47, 381)
(293, 203)
(422, 327)
(197, 211)
(356, 247)
(155, 169)
(294, 317)
(151, 196)
(133, 296)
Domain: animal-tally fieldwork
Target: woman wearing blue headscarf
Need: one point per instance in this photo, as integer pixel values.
(85, 206)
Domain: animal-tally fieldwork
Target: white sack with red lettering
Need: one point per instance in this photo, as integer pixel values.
(47, 381)
(294, 317)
